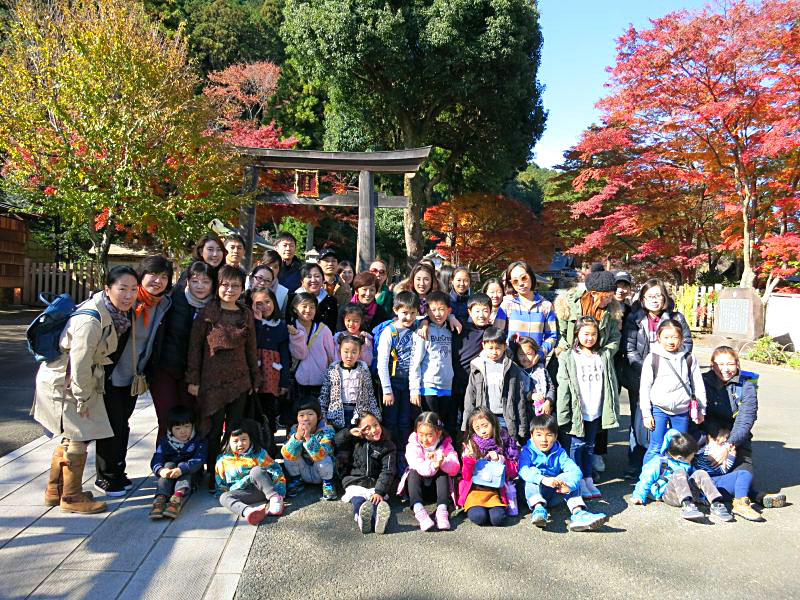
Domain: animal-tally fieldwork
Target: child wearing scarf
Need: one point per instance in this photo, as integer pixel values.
(179, 455)
(486, 440)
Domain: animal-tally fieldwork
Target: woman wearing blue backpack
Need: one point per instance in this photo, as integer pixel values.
(69, 398)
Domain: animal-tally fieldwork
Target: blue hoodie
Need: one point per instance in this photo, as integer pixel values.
(658, 471)
(535, 464)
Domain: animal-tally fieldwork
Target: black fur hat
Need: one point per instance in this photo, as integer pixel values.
(600, 280)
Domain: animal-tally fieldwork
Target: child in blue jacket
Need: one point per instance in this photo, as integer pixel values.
(671, 478)
(179, 455)
(550, 475)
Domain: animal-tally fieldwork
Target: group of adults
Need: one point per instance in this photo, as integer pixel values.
(145, 318)
(138, 337)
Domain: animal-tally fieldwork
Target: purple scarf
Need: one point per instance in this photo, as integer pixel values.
(509, 448)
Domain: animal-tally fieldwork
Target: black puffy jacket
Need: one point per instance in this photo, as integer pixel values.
(171, 346)
(636, 339)
(734, 403)
(373, 463)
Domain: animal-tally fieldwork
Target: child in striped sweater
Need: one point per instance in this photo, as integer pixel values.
(246, 474)
(308, 452)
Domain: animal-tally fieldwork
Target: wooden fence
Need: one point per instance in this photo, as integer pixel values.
(697, 303)
(76, 279)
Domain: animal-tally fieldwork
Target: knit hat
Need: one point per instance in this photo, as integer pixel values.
(311, 406)
(600, 280)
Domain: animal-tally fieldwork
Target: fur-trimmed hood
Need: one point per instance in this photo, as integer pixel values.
(568, 306)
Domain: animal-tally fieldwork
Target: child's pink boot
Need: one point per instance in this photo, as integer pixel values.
(424, 519)
(442, 518)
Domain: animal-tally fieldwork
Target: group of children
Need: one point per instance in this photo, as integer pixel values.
(477, 416)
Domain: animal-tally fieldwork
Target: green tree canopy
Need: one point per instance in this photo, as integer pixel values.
(456, 74)
(100, 124)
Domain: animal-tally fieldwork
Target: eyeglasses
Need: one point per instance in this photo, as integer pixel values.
(230, 286)
(261, 278)
(377, 271)
(653, 297)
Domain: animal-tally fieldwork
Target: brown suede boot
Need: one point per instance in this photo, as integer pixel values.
(73, 498)
(55, 481)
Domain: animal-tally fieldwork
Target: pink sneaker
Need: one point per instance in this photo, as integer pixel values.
(442, 518)
(424, 519)
(255, 515)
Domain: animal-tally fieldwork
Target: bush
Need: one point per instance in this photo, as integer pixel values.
(767, 350)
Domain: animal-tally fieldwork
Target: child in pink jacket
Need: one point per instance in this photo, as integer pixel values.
(312, 345)
(432, 461)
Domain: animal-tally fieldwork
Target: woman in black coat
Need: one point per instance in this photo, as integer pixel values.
(365, 285)
(653, 307)
(311, 281)
(166, 368)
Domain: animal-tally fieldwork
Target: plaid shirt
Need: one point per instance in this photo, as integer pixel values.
(539, 322)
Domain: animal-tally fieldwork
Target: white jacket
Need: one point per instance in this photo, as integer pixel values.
(666, 391)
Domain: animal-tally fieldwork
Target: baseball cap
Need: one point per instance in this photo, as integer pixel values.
(327, 253)
(623, 276)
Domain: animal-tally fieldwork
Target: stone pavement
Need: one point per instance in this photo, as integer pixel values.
(314, 550)
(45, 553)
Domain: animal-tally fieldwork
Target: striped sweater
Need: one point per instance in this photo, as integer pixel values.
(702, 461)
(318, 446)
(539, 322)
(232, 470)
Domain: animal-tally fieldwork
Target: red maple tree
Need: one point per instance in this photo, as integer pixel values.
(487, 231)
(703, 110)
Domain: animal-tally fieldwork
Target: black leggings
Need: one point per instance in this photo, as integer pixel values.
(417, 483)
(481, 515)
(227, 415)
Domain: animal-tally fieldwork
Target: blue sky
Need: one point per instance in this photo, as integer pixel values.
(579, 43)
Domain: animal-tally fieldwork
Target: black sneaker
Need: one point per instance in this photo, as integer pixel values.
(126, 483)
(113, 489)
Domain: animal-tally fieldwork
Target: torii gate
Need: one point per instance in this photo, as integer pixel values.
(367, 163)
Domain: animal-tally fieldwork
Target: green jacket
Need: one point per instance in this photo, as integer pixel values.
(568, 409)
(568, 399)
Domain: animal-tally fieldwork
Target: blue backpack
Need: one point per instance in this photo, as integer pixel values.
(376, 334)
(45, 331)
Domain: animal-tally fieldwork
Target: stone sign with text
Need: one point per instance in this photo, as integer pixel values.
(739, 314)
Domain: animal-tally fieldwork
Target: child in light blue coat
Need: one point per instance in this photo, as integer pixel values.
(551, 476)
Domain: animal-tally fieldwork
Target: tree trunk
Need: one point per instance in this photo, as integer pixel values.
(748, 275)
(416, 190)
(101, 244)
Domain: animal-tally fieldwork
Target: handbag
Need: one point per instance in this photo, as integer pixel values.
(139, 383)
(489, 473)
(694, 404)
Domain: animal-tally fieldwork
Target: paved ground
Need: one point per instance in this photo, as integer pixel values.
(45, 553)
(17, 375)
(314, 550)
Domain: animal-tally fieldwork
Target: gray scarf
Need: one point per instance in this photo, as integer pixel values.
(194, 302)
(121, 320)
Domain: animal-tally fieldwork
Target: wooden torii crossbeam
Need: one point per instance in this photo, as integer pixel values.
(366, 163)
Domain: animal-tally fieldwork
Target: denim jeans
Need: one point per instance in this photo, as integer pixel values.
(536, 493)
(397, 418)
(735, 484)
(581, 449)
(679, 422)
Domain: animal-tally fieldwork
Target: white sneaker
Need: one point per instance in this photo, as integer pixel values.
(598, 464)
(275, 506)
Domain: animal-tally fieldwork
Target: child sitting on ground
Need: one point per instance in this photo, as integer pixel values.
(538, 385)
(550, 476)
(670, 478)
(369, 479)
(487, 441)
(347, 387)
(246, 474)
(353, 320)
(308, 453)
(180, 454)
(734, 484)
(432, 461)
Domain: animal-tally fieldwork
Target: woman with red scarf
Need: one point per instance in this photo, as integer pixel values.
(365, 285)
(152, 303)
